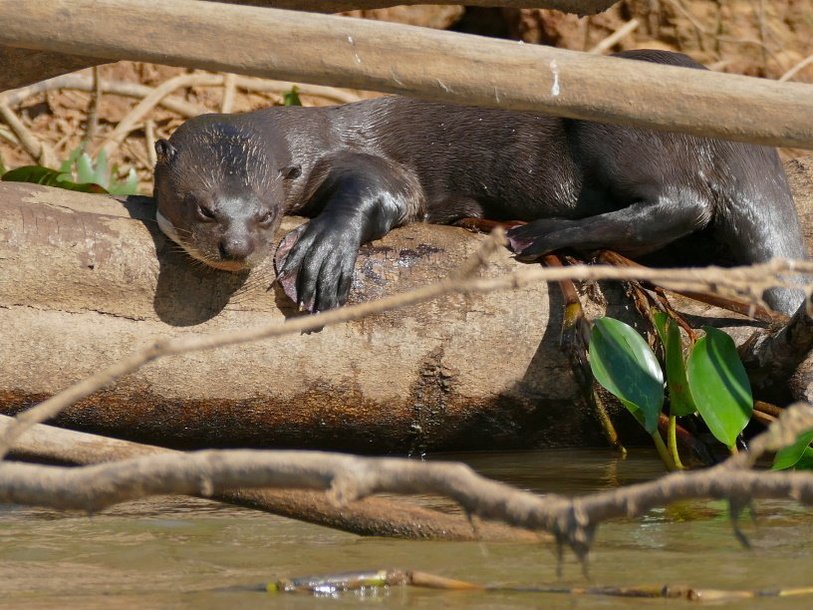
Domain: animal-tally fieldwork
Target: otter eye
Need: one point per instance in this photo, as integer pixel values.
(266, 219)
(205, 213)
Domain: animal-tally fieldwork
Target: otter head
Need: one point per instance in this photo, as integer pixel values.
(220, 192)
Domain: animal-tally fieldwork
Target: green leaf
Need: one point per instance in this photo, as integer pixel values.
(128, 186)
(623, 363)
(292, 97)
(719, 385)
(66, 167)
(680, 400)
(791, 455)
(84, 169)
(48, 177)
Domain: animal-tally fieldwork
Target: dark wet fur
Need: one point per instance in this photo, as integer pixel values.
(361, 169)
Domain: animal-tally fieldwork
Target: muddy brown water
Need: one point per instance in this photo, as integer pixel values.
(176, 552)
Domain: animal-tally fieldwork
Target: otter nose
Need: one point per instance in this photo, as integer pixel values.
(235, 248)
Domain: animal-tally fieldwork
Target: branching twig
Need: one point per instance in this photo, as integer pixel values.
(137, 114)
(391, 517)
(79, 82)
(607, 43)
(796, 69)
(39, 151)
(349, 478)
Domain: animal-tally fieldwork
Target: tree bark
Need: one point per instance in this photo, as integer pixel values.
(20, 67)
(431, 64)
(86, 279)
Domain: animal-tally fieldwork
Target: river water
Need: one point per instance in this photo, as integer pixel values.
(177, 552)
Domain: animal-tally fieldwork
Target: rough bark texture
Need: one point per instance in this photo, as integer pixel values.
(81, 286)
(431, 64)
(19, 67)
(86, 278)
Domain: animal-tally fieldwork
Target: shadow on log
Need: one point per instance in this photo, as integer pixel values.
(86, 279)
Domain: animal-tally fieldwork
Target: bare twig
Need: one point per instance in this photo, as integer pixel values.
(38, 150)
(350, 478)
(615, 37)
(796, 69)
(93, 111)
(149, 139)
(370, 517)
(137, 114)
(333, 94)
(79, 82)
(229, 89)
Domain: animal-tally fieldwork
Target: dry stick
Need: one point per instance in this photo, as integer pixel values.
(615, 37)
(796, 69)
(229, 89)
(370, 517)
(281, 86)
(350, 478)
(79, 82)
(137, 114)
(357, 53)
(744, 279)
(38, 150)
(149, 139)
(93, 111)
(15, 97)
(580, 7)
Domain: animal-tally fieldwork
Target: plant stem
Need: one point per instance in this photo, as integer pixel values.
(666, 458)
(671, 439)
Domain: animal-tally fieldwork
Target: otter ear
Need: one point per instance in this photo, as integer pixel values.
(165, 151)
(290, 172)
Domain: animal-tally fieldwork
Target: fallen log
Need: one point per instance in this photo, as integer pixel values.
(19, 67)
(431, 64)
(87, 279)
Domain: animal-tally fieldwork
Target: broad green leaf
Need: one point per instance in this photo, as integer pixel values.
(719, 385)
(680, 401)
(49, 177)
(292, 97)
(623, 363)
(791, 455)
(806, 461)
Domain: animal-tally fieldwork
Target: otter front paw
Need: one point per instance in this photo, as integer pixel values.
(315, 261)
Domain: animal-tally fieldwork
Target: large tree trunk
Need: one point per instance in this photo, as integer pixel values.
(86, 279)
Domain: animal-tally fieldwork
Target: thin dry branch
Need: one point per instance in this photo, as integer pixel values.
(607, 43)
(350, 478)
(747, 281)
(796, 69)
(79, 82)
(391, 517)
(229, 89)
(39, 151)
(137, 114)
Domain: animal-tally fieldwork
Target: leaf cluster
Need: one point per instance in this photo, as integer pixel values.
(703, 378)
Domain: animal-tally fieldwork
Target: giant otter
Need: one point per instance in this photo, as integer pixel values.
(358, 170)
